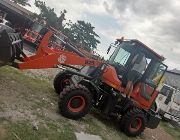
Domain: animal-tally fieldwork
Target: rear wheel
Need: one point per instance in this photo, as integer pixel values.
(75, 101)
(133, 122)
(61, 81)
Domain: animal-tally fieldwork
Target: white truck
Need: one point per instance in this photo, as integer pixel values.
(168, 103)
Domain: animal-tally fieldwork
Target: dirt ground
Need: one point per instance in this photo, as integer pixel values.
(156, 134)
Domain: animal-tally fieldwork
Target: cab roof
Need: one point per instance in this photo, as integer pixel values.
(151, 50)
(147, 49)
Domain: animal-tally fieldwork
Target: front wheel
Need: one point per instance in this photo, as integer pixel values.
(133, 122)
(75, 101)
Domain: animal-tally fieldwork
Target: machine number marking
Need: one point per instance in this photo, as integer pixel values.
(62, 58)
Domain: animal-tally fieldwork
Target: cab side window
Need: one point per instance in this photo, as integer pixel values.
(156, 76)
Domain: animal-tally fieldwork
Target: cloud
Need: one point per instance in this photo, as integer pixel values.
(154, 22)
(77, 8)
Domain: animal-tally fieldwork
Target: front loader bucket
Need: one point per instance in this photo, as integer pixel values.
(5, 48)
(9, 43)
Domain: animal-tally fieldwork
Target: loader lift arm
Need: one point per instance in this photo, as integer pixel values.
(46, 57)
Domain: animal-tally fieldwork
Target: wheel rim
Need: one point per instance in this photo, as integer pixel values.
(135, 124)
(76, 104)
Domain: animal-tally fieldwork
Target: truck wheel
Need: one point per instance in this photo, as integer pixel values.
(133, 122)
(75, 101)
(61, 81)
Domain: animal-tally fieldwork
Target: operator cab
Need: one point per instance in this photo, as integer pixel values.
(124, 53)
(121, 60)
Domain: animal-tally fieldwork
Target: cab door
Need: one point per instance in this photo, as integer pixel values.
(146, 92)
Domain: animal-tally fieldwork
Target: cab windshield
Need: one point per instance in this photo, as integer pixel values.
(122, 54)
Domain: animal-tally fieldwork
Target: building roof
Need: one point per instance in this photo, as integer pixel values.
(174, 71)
(173, 78)
(17, 8)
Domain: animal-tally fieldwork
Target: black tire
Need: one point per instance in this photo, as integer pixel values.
(133, 122)
(59, 81)
(73, 93)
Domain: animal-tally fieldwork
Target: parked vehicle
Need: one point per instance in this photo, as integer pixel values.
(168, 103)
(35, 34)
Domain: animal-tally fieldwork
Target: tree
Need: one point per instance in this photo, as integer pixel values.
(47, 13)
(22, 2)
(60, 20)
(82, 33)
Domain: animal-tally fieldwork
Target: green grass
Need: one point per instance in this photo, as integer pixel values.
(174, 132)
(38, 94)
(30, 88)
(23, 130)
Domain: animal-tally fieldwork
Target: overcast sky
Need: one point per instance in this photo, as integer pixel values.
(154, 22)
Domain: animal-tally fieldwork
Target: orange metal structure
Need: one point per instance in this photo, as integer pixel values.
(46, 57)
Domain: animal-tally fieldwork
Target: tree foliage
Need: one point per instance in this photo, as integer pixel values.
(80, 33)
(83, 34)
(46, 13)
(22, 2)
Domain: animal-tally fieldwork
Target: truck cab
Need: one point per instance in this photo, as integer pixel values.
(168, 103)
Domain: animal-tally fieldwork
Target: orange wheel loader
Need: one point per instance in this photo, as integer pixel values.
(98, 84)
